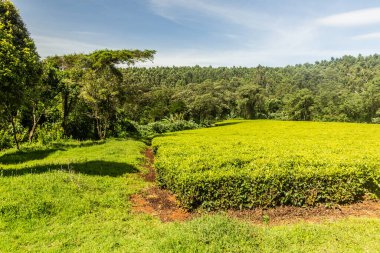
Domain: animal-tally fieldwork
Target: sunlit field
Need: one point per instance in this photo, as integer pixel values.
(75, 197)
(245, 164)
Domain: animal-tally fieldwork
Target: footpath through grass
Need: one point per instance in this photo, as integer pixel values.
(75, 198)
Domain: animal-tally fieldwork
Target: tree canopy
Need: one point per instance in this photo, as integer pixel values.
(19, 62)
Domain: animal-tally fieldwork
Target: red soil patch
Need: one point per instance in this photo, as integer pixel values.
(289, 215)
(163, 204)
(156, 201)
(149, 160)
(159, 203)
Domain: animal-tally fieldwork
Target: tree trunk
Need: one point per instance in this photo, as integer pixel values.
(34, 126)
(102, 130)
(104, 133)
(98, 129)
(101, 124)
(32, 131)
(98, 124)
(14, 133)
(65, 111)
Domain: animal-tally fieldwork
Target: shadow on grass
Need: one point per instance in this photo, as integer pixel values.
(28, 154)
(227, 124)
(23, 156)
(64, 145)
(98, 168)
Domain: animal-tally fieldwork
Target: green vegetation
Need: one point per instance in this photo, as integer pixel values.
(62, 195)
(90, 97)
(79, 103)
(19, 64)
(341, 89)
(244, 164)
(74, 197)
(171, 124)
(68, 196)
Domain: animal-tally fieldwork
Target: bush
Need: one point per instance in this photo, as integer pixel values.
(125, 128)
(247, 164)
(5, 139)
(165, 126)
(215, 190)
(49, 132)
(376, 120)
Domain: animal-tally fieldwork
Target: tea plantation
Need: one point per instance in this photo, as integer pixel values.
(246, 164)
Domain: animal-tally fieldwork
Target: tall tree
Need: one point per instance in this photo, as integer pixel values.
(102, 83)
(19, 63)
(70, 69)
(43, 96)
(300, 105)
(251, 101)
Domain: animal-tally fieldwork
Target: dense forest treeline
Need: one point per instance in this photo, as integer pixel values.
(342, 89)
(89, 96)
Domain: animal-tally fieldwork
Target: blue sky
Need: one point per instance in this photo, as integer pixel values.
(208, 32)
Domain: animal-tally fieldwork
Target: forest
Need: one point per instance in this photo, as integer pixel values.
(101, 94)
(65, 102)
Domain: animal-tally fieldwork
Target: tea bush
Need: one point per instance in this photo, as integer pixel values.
(245, 164)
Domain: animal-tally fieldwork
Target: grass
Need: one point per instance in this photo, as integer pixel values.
(244, 164)
(56, 199)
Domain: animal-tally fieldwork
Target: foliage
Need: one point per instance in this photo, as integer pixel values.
(167, 125)
(92, 102)
(245, 164)
(19, 62)
(300, 105)
(341, 89)
(5, 139)
(94, 80)
(50, 133)
(61, 210)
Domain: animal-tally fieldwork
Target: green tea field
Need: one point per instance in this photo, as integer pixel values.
(246, 164)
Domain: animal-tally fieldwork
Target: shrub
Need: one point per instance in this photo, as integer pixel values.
(5, 139)
(165, 126)
(49, 132)
(247, 164)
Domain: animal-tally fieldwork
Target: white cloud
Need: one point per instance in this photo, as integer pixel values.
(277, 35)
(368, 36)
(354, 18)
(238, 57)
(247, 17)
(48, 45)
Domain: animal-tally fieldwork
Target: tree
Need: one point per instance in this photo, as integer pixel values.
(300, 105)
(371, 99)
(19, 63)
(102, 83)
(96, 80)
(251, 101)
(42, 97)
(69, 69)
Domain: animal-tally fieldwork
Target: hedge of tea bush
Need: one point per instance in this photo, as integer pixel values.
(247, 164)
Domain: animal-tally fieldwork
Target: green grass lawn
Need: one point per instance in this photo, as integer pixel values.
(74, 197)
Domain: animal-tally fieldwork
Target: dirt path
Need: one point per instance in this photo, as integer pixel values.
(163, 204)
(155, 201)
(149, 161)
(289, 215)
